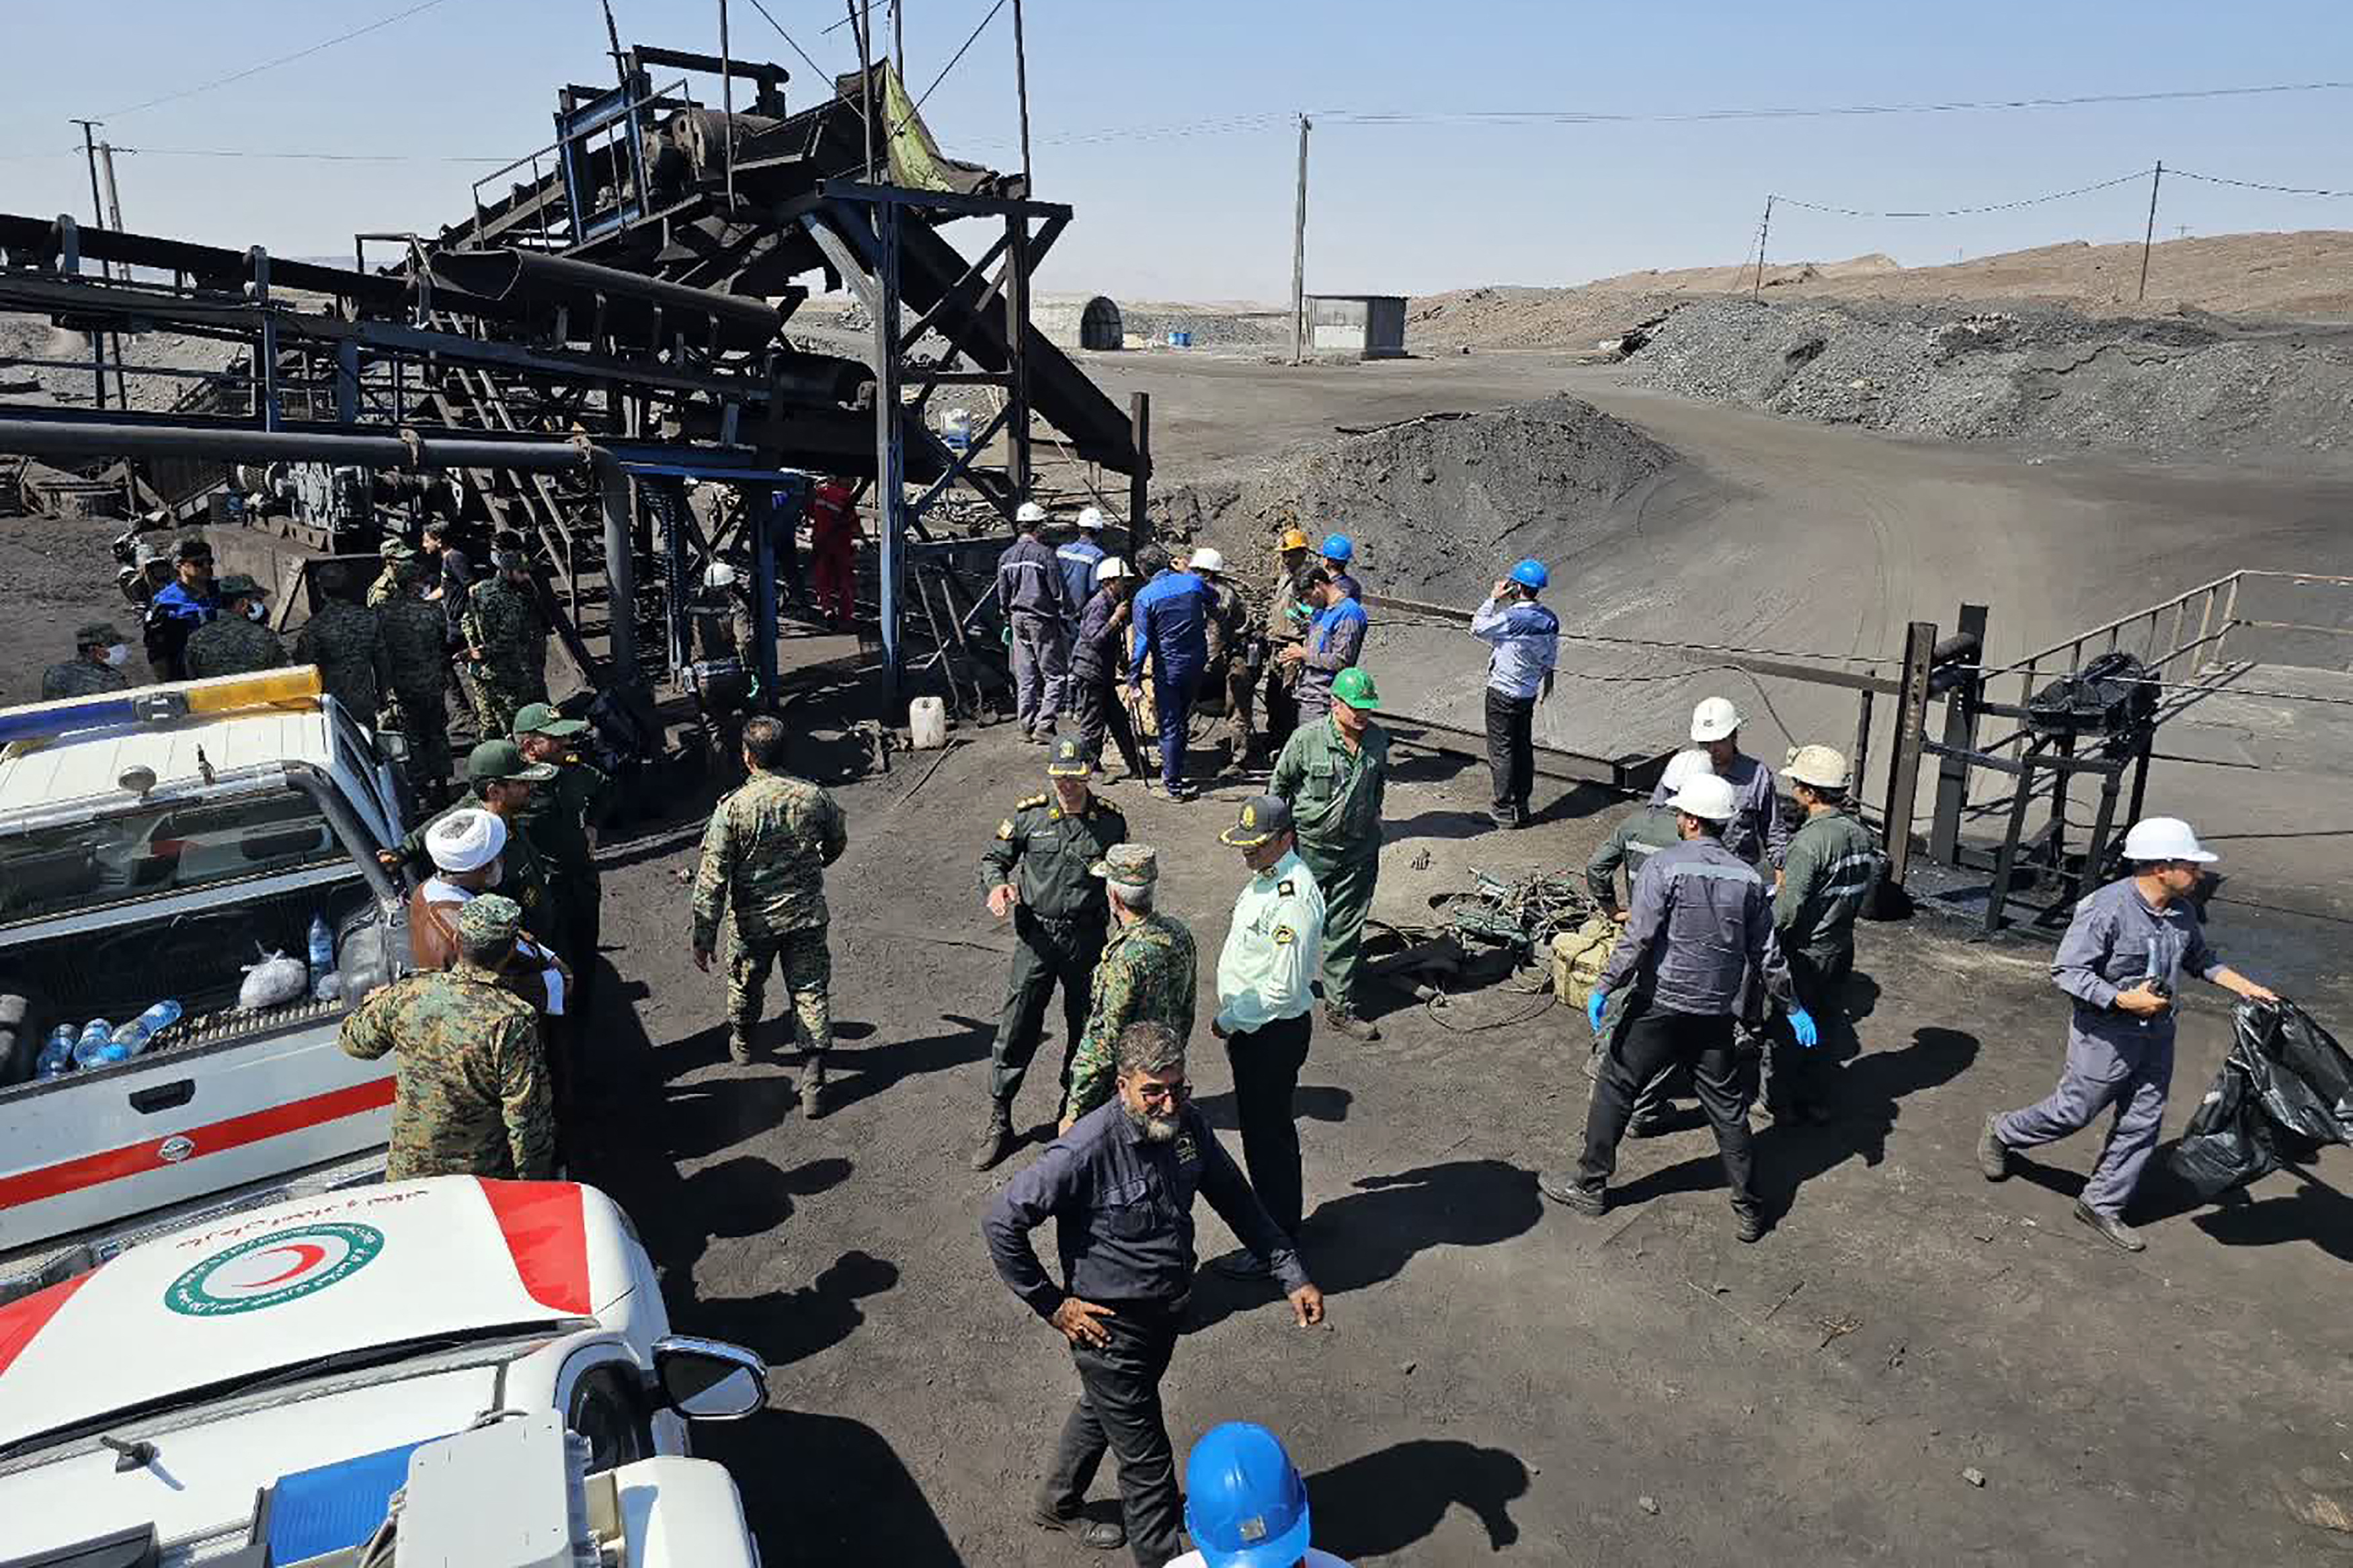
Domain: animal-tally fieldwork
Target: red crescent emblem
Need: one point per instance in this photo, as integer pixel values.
(308, 1255)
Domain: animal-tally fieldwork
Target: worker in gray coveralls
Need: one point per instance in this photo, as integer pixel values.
(2121, 959)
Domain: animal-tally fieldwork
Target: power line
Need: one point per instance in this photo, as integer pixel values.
(2255, 184)
(779, 26)
(1957, 106)
(272, 65)
(2136, 175)
(959, 55)
(313, 157)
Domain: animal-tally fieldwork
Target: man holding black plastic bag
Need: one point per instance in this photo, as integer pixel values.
(2121, 959)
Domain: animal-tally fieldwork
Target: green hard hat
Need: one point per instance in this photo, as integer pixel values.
(1354, 685)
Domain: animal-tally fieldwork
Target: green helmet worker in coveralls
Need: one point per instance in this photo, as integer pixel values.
(1333, 773)
(2120, 960)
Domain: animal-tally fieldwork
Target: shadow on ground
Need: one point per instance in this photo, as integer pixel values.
(844, 1497)
(1388, 1500)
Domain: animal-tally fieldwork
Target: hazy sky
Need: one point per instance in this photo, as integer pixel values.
(1206, 213)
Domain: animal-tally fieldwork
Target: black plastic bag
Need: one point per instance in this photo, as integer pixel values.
(2286, 1089)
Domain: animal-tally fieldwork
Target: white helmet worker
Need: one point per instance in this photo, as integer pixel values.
(1110, 568)
(2162, 838)
(1707, 798)
(718, 575)
(1090, 520)
(1030, 514)
(1685, 767)
(1818, 766)
(1713, 720)
(1206, 559)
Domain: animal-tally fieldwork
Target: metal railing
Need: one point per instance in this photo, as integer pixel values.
(616, 124)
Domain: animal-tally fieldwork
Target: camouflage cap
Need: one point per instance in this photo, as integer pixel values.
(392, 548)
(500, 762)
(96, 633)
(488, 919)
(237, 586)
(1129, 865)
(1069, 759)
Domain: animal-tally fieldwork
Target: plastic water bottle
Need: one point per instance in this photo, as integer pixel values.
(57, 1057)
(323, 948)
(96, 1047)
(134, 1035)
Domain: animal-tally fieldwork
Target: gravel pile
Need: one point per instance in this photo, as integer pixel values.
(2188, 384)
(1438, 506)
(32, 337)
(1211, 330)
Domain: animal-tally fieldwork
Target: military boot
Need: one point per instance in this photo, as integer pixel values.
(739, 1045)
(1346, 1020)
(813, 1087)
(996, 1137)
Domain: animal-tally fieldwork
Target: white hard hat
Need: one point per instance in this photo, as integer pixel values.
(1110, 568)
(2166, 838)
(466, 840)
(1818, 766)
(1208, 559)
(1713, 720)
(1685, 767)
(1029, 512)
(1091, 518)
(718, 575)
(1707, 798)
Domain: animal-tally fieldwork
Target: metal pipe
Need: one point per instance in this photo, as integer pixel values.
(413, 449)
(742, 319)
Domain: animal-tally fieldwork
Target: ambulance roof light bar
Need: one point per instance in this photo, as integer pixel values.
(162, 704)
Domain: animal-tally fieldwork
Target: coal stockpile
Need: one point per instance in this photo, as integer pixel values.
(2184, 385)
(1438, 506)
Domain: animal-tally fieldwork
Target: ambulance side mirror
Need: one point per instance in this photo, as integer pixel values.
(709, 1380)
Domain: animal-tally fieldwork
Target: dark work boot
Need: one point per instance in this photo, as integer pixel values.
(813, 1087)
(1748, 1223)
(2112, 1231)
(739, 1045)
(1993, 1155)
(1346, 1020)
(1562, 1188)
(996, 1137)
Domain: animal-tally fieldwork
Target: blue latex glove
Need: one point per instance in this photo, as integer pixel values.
(1599, 1003)
(1801, 1024)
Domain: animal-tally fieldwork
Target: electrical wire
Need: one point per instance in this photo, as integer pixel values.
(2137, 175)
(315, 157)
(253, 71)
(779, 26)
(1957, 106)
(952, 59)
(2255, 184)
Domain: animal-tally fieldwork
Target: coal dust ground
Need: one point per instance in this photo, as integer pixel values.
(1500, 1381)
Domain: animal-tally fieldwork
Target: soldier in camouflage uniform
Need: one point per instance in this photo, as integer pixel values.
(1144, 976)
(417, 662)
(99, 652)
(763, 874)
(1230, 645)
(396, 553)
(506, 643)
(556, 818)
(236, 642)
(472, 1094)
(347, 644)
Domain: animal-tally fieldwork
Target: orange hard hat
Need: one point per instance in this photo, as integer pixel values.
(1292, 539)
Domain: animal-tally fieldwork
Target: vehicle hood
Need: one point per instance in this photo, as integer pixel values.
(205, 1475)
(273, 1287)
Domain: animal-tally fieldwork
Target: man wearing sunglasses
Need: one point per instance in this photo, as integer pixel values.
(1119, 1186)
(183, 606)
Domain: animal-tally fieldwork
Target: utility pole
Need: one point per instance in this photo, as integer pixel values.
(97, 217)
(899, 38)
(866, 81)
(1021, 93)
(727, 105)
(114, 222)
(1764, 229)
(1299, 255)
(2149, 237)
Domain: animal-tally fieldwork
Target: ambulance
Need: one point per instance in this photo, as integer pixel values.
(156, 844)
(452, 1370)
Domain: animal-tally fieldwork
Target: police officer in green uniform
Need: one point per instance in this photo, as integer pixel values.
(1037, 871)
(556, 818)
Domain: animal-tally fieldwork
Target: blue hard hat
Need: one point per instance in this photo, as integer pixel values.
(1531, 573)
(1244, 1501)
(1338, 547)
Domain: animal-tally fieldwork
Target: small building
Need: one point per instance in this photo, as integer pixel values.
(1355, 326)
(1070, 323)
(1099, 325)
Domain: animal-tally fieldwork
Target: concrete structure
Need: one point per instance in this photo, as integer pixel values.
(1355, 326)
(1073, 323)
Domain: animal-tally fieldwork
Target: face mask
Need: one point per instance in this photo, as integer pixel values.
(256, 612)
(117, 654)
